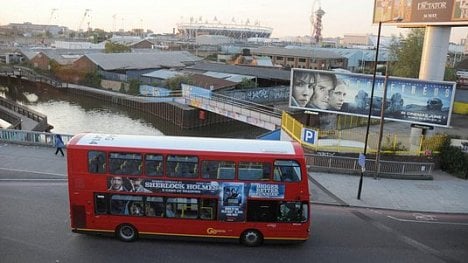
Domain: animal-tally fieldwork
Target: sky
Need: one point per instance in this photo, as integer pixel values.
(287, 18)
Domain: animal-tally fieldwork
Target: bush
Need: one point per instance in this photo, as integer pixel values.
(391, 146)
(453, 160)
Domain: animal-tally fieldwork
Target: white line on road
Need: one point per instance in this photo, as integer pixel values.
(34, 172)
(427, 222)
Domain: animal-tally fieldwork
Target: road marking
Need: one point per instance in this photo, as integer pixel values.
(34, 172)
(33, 180)
(423, 217)
(409, 241)
(426, 222)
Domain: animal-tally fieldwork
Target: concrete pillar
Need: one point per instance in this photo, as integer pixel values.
(434, 57)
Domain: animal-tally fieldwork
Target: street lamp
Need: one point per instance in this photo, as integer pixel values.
(376, 60)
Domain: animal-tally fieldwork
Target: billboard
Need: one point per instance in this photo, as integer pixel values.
(407, 100)
(421, 12)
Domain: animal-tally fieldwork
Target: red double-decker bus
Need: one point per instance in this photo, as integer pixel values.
(250, 190)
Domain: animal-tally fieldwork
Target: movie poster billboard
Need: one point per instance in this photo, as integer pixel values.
(421, 12)
(408, 100)
(233, 201)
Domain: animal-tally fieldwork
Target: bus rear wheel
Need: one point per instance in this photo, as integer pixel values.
(251, 238)
(127, 233)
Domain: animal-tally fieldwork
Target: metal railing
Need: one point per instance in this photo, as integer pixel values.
(30, 137)
(220, 103)
(348, 140)
(351, 165)
(314, 161)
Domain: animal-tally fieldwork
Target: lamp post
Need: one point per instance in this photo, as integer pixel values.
(376, 60)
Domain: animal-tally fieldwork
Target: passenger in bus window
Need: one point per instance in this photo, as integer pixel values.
(136, 209)
(137, 185)
(116, 184)
(159, 169)
(96, 165)
(169, 211)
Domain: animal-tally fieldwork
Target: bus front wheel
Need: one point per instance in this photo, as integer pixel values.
(251, 238)
(127, 233)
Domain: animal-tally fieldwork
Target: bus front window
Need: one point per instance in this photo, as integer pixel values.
(287, 171)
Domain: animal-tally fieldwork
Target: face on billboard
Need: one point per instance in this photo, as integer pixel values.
(337, 96)
(321, 92)
(303, 88)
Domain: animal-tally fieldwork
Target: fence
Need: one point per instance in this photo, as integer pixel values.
(383, 168)
(30, 137)
(351, 140)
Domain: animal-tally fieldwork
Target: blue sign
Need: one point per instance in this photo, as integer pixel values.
(309, 136)
(259, 190)
(362, 160)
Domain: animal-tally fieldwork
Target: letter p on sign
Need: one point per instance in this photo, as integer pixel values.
(309, 136)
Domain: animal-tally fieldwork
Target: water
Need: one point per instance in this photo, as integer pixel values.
(72, 114)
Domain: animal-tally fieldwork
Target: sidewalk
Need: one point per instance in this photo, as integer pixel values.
(444, 194)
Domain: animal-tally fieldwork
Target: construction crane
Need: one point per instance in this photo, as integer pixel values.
(316, 22)
(52, 13)
(86, 14)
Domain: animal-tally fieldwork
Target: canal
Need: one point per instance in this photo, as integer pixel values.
(72, 114)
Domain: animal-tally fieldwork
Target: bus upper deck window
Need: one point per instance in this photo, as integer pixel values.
(96, 162)
(125, 163)
(287, 171)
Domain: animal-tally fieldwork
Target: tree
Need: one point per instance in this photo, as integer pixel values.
(92, 79)
(247, 84)
(134, 87)
(112, 47)
(174, 82)
(408, 54)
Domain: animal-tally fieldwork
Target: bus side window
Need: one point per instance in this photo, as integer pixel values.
(262, 211)
(254, 171)
(101, 202)
(182, 166)
(96, 162)
(208, 208)
(154, 165)
(125, 163)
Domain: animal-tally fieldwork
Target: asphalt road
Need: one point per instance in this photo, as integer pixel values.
(34, 227)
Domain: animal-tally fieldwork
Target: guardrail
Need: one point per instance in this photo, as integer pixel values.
(410, 170)
(40, 118)
(30, 137)
(250, 112)
(314, 162)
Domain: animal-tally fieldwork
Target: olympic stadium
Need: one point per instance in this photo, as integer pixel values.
(191, 30)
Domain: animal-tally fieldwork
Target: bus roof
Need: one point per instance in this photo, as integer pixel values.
(183, 143)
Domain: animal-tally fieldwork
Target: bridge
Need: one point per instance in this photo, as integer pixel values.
(252, 113)
(249, 112)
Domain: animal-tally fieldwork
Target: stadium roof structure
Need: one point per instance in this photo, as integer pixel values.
(127, 61)
(258, 72)
(238, 31)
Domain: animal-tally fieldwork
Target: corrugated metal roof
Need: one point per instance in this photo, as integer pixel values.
(114, 61)
(61, 56)
(259, 72)
(162, 74)
(210, 82)
(296, 52)
(228, 76)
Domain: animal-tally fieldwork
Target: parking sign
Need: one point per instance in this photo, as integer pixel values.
(309, 136)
